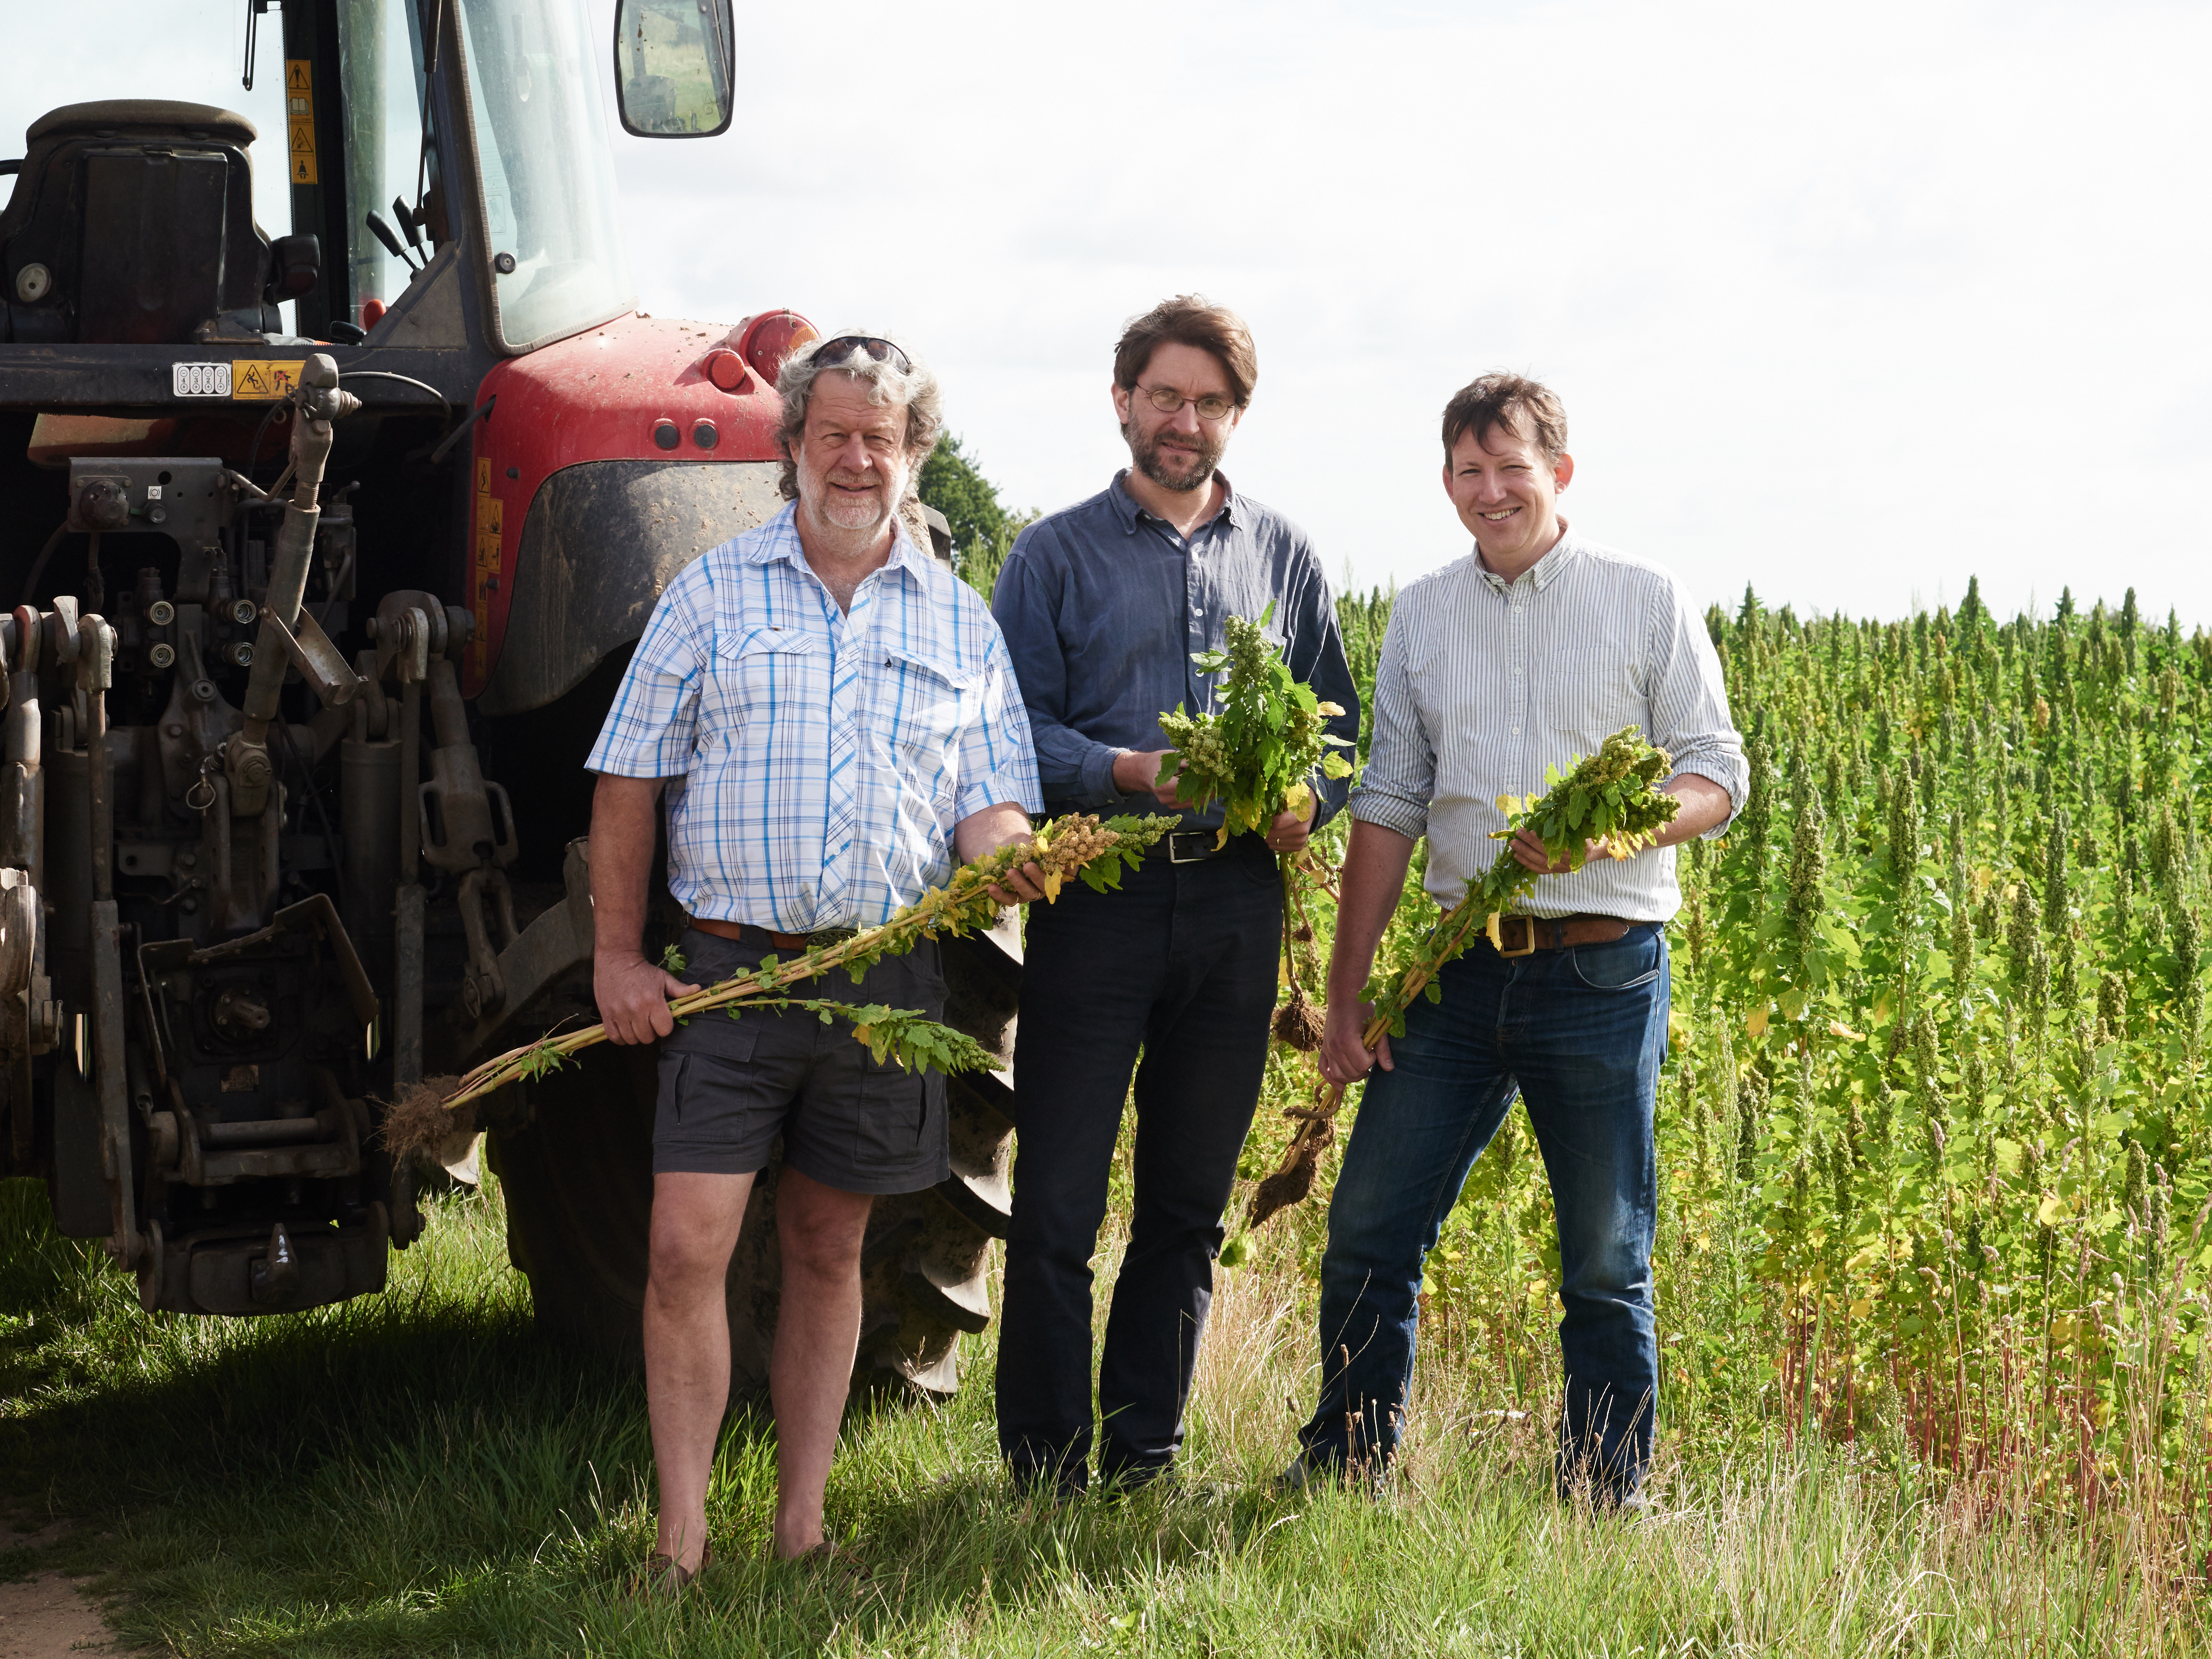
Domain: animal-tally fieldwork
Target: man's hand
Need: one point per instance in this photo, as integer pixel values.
(1289, 831)
(1137, 772)
(981, 834)
(1704, 803)
(1528, 851)
(633, 995)
(1345, 1059)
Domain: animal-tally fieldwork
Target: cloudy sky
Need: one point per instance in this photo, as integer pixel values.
(1847, 302)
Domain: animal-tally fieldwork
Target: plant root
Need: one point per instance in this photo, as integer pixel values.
(1293, 1178)
(1298, 1022)
(420, 1121)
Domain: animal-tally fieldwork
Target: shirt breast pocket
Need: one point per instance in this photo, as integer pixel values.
(767, 682)
(925, 707)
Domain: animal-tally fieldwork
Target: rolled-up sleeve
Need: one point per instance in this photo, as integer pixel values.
(1401, 776)
(1688, 696)
(651, 728)
(998, 763)
(1070, 767)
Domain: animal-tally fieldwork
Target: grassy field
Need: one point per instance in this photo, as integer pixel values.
(1932, 1265)
(418, 1474)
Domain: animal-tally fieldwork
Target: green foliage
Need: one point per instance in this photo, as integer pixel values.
(1075, 845)
(915, 1042)
(983, 532)
(1257, 756)
(1611, 799)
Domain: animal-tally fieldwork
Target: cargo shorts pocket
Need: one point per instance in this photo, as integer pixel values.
(890, 1129)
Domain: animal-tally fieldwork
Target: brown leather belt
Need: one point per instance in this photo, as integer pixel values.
(746, 934)
(1523, 935)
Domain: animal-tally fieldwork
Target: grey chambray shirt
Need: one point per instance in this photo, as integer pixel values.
(1483, 684)
(1101, 606)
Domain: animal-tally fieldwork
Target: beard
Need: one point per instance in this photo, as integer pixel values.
(834, 509)
(1196, 472)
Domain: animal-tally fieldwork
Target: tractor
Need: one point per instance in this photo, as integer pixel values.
(312, 623)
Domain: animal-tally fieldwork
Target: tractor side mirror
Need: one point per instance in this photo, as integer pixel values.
(295, 265)
(675, 67)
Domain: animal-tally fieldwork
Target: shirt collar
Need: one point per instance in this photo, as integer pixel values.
(777, 540)
(1546, 571)
(1131, 511)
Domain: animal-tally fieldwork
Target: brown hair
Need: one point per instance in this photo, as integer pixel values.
(1190, 319)
(1529, 409)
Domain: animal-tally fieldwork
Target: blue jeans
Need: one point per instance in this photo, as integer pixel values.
(1580, 1033)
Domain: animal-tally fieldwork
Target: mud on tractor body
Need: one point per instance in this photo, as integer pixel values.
(308, 630)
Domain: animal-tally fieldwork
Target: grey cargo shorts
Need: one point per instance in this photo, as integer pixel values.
(729, 1087)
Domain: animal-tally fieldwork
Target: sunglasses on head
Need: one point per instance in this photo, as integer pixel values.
(832, 353)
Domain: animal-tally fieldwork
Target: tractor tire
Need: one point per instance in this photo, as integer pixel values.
(578, 1181)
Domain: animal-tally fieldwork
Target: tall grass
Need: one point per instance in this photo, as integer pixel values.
(1932, 1275)
(418, 1472)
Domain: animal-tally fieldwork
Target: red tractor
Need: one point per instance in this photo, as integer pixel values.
(312, 626)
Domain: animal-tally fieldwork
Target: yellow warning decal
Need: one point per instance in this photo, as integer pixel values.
(491, 514)
(254, 380)
(488, 533)
(300, 121)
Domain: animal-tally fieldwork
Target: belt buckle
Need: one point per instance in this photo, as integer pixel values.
(1528, 933)
(1176, 837)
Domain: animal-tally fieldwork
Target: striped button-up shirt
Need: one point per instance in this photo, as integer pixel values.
(1484, 683)
(817, 759)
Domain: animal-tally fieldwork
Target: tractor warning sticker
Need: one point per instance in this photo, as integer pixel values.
(490, 515)
(300, 121)
(199, 379)
(255, 381)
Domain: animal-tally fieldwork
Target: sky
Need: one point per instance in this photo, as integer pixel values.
(1848, 303)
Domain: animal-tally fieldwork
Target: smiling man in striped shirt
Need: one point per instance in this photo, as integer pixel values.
(1532, 650)
(834, 719)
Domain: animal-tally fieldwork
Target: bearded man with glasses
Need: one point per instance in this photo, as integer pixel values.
(1103, 606)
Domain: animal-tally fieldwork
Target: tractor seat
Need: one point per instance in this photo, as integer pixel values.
(131, 223)
(113, 117)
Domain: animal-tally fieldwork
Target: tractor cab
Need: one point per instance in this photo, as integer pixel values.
(418, 138)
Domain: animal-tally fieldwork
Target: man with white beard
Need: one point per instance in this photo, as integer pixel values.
(833, 721)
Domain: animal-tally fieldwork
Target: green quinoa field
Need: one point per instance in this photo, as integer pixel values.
(1934, 1134)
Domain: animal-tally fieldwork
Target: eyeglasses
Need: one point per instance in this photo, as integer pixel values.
(832, 353)
(1165, 398)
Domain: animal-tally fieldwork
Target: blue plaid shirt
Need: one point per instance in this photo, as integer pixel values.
(817, 760)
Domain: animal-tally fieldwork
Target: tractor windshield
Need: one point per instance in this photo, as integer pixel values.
(381, 51)
(549, 175)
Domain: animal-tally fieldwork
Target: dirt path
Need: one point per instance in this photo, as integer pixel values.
(47, 1617)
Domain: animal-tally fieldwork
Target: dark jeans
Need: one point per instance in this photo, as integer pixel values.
(1581, 1033)
(1182, 961)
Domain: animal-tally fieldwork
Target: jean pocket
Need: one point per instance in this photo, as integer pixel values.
(1623, 966)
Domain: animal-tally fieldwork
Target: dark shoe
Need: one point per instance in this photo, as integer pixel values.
(1042, 1486)
(1308, 1473)
(1132, 1479)
(662, 1577)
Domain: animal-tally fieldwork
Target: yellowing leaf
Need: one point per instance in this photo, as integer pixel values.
(1755, 1021)
(2048, 1212)
(1052, 880)
(1836, 1028)
(1298, 798)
